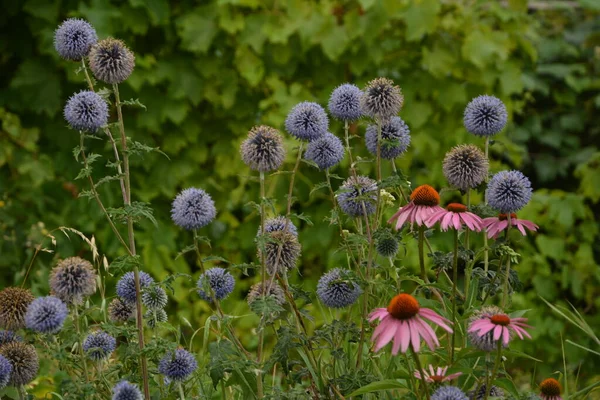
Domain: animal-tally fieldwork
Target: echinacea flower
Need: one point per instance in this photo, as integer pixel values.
(449, 393)
(550, 389)
(192, 209)
(455, 216)
(178, 365)
(403, 321)
(111, 61)
(338, 289)
(485, 342)
(24, 360)
(501, 325)
(307, 121)
(437, 375)
(344, 103)
(381, 99)
(495, 225)
(424, 202)
(326, 151)
(395, 138)
(263, 149)
(74, 38)
(126, 391)
(485, 116)
(509, 191)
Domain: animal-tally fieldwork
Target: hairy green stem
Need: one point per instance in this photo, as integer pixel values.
(506, 278)
(490, 382)
(421, 371)
(486, 261)
(261, 333)
(422, 254)
(181, 392)
(348, 148)
(80, 342)
(454, 294)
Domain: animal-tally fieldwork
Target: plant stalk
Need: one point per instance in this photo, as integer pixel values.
(490, 382)
(454, 294)
(421, 371)
(261, 333)
(505, 292)
(80, 343)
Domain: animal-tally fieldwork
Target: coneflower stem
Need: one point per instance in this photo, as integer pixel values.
(468, 201)
(454, 294)
(421, 254)
(490, 382)
(421, 372)
(505, 292)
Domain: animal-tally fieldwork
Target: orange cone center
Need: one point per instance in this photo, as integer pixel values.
(403, 306)
(500, 319)
(503, 217)
(550, 387)
(437, 378)
(425, 195)
(456, 207)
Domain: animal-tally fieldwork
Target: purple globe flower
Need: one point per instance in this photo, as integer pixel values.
(8, 337)
(111, 61)
(279, 224)
(99, 345)
(5, 371)
(178, 365)
(193, 209)
(307, 121)
(344, 103)
(509, 191)
(449, 393)
(485, 116)
(395, 137)
(86, 111)
(326, 151)
(126, 286)
(337, 289)
(356, 192)
(263, 149)
(46, 315)
(74, 38)
(126, 391)
(381, 99)
(221, 282)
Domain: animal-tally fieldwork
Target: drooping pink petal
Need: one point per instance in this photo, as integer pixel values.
(487, 222)
(479, 324)
(417, 375)
(436, 319)
(378, 313)
(387, 334)
(456, 221)
(452, 376)
(440, 371)
(427, 333)
(420, 215)
(485, 328)
(397, 341)
(505, 335)
(405, 338)
(398, 213)
(523, 331)
(434, 218)
(415, 338)
(383, 325)
(472, 221)
(497, 332)
(446, 221)
(529, 225)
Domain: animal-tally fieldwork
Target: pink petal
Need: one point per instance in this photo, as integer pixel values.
(405, 336)
(505, 335)
(479, 324)
(453, 376)
(434, 218)
(436, 319)
(431, 370)
(441, 371)
(417, 375)
(446, 221)
(378, 313)
(420, 215)
(497, 332)
(428, 334)
(414, 335)
(519, 226)
(529, 225)
(456, 221)
(487, 222)
(381, 327)
(387, 334)
(397, 341)
(523, 331)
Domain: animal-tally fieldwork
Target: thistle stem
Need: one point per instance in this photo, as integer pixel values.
(80, 343)
(486, 261)
(181, 392)
(348, 148)
(421, 371)
(261, 333)
(454, 294)
(506, 278)
(468, 201)
(421, 254)
(490, 382)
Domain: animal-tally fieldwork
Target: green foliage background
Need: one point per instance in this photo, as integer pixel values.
(209, 72)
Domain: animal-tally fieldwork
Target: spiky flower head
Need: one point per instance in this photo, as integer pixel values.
(495, 391)
(154, 317)
(386, 243)
(465, 167)
(99, 345)
(550, 389)
(357, 191)
(344, 103)
(119, 311)
(5, 371)
(177, 365)
(111, 61)
(486, 342)
(24, 361)
(266, 289)
(74, 38)
(192, 209)
(485, 116)
(381, 99)
(219, 280)
(448, 393)
(126, 391)
(154, 297)
(395, 138)
(126, 286)
(263, 150)
(338, 288)
(86, 111)
(8, 337)
(282, 250)
(279, 224)
(307, 121)
(509, 191)
(13, 306)
(73, 279)
(46, 314)
(326, 151)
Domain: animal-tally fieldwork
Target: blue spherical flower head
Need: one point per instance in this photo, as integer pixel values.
(126, 391)
(395, 137)
(279, 224)
(99, 345)
(357, 192)
(326, 151)
(74, 38)
(126, 286)
(221, 282)
(9, 337)
(381, 99)
(509, 191)
(344, 103)
(177, 365)
(485, 116)
(449, 393)
(46, 315)
(5, 371)
(337, 289)
(307, 121)
(193, 209)
(86, 111)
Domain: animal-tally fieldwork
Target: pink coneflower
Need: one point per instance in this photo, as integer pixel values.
(424, 201)
(403, 322)
(550, 389)
(454, 216)
(437, 375)
(501, 325)
(495, 225)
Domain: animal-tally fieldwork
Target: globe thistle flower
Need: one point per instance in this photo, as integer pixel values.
(73, 279)
(437, 375)
(126, 286)
(282, 251)
(178, 365)
(344, 103)
(126, 391)
(455, 216)
(448, 393)
(263, 149)
(550, 389)
(501, 325)
(119, 311)
(279, 224)
(8, 337)
(99, 345)
(326, 151)
(386, 243)
(337, 289)
(358, 191)
(509, 191)
(111, 61)
(74, 38)
(193, 209)
(495, 391)
(154, 297)
(403, 321)
(381, 99)
(24, 361)
(307, 121)
(424, 202)
(495, 225)
(465, 167)
(86, 111)
(484, 342)
(13, 306)
(395, 137)
(46, 315)
(5, 371)
(219, 280)
(266, 289)
(154, 317)
(485, 116)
